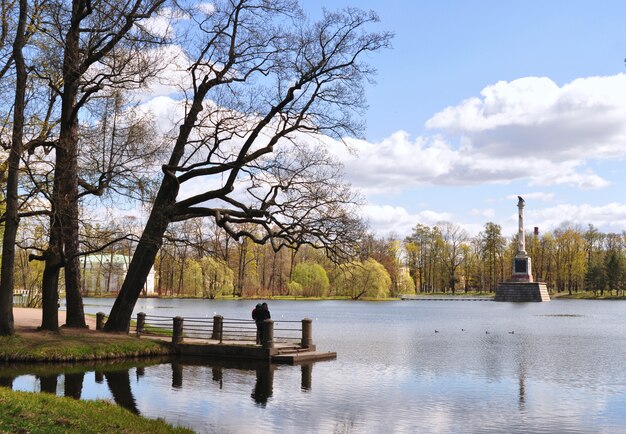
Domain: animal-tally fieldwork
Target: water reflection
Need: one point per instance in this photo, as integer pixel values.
(119, 385)
(264, 384)
(307, 376)
(123, 379)
(177, 374)
(555, 373)
(74, 384)
(48, 383)
(264, 374)
(6, 382)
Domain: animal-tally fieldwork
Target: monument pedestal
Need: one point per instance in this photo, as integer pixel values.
(521, 287)
(521, 268)
(522, 291)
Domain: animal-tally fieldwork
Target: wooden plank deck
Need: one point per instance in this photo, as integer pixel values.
(283, 353)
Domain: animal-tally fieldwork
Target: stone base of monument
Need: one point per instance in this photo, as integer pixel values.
(522, 291)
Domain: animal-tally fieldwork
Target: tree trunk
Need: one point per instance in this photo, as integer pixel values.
(12, 221)
(152, 236)
(50, 279)
(67, 165)
(143, 259)
(75, 310)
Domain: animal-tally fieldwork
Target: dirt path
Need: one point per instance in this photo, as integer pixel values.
(27, 319)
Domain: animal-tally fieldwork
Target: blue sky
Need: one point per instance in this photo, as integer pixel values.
(479, 101)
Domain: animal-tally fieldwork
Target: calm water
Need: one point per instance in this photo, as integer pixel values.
(490, 367)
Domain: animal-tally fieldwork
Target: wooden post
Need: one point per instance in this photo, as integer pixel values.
(100, 320)
(268, 334)
(218, 323)
(177, 330)
(141, 323)
(307, 333)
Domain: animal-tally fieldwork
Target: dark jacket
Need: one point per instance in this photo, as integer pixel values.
(262, 314)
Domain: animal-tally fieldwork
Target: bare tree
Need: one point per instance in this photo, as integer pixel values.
(28, 15)
(270, 77)
(15, 153)
(453, 237)
(101, 48)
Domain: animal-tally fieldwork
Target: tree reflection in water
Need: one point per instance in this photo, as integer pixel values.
(48, 383)
(119, 385)
(74, 384)
(118, 377)
(6, 381)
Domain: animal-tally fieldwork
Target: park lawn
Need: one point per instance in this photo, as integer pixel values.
(588, 295)
(23, 412)
(74, 345)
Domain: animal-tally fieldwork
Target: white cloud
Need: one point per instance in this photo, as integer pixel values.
(487, 213)
(528, 129)
(174, 76)
(533, 117)
(386, 219)
(207, 8)
(399, 163)
(610, 217)
(396, 162)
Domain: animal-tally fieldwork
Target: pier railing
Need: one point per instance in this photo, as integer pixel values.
(219, 329)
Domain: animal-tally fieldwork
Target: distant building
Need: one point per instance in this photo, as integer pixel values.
(104, 273)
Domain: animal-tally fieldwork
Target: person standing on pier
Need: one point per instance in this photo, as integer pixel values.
(255, 313)
(260, 314)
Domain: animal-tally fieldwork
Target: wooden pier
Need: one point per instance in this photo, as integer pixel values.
(285, 342)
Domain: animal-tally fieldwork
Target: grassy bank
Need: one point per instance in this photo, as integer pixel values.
(587, 295)
(42, 413)
(71, 345)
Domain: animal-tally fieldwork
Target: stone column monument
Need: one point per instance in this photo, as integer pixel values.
(521, 286)
(521, 237)
(522, 271)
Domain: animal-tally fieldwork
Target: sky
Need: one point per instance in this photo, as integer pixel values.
(481, 101)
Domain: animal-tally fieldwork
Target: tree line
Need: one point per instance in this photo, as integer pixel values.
(443, 258)
(434, 259)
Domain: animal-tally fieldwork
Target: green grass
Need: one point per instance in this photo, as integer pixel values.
(63, 347)
(588, 295)
(157, 331)
(22, 412)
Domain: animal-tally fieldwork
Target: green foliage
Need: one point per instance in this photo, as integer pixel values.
(192, 276)
(363, 279)
(491, 249)
(431, 260)
(295, 289)
(403, 284)
(312, 279)
(614, 270)
(218, 278)
(596, 278)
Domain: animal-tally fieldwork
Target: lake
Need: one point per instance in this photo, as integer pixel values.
(402, 367)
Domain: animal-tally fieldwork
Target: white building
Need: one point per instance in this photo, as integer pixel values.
(104, 273)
